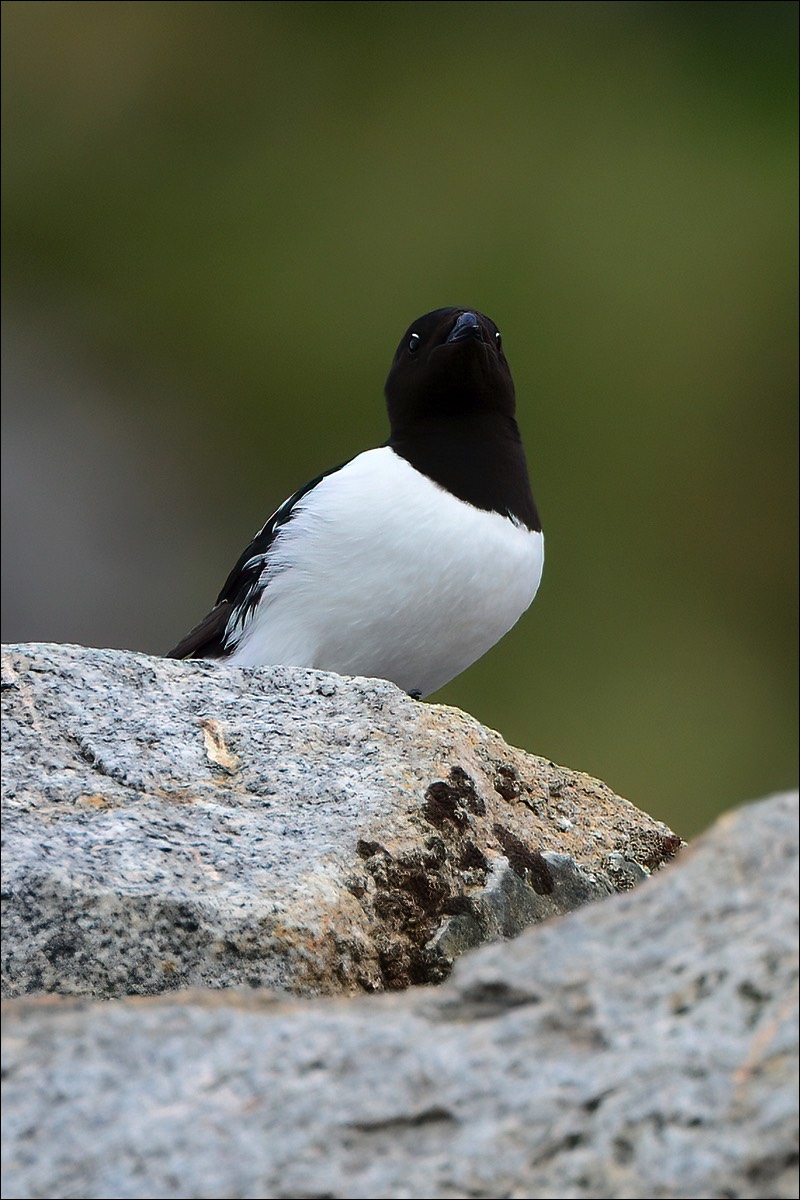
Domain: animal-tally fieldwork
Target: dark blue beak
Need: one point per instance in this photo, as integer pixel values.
(466, 326)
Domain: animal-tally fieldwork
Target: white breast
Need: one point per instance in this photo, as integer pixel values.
(381, 572)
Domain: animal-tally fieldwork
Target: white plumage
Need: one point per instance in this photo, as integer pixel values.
(382, 572)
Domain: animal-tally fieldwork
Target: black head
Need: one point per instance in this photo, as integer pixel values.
(449, 363)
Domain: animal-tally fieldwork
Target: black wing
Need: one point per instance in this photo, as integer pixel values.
(243, 587)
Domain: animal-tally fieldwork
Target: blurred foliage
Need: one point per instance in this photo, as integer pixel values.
(253, 200)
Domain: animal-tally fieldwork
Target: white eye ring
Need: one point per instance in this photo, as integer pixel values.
(413, 342)
(498, 339)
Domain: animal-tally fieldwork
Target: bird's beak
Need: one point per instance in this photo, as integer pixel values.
(466, 326)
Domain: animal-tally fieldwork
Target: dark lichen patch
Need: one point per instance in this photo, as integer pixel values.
(435, 850)
(426, 891)
(415, 890)
(473, 859)
(455, 799)
(411, 894)
(365, 849)
(442, 804)
(464, 784)
(528, 864)
(507, 782)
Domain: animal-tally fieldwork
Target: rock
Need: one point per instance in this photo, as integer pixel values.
(642, 1047)
(170, 824)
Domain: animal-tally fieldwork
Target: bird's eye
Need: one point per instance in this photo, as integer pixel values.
(498, 339)
(413, 343)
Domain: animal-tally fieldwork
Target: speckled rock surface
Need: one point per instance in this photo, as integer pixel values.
(642, 1047)
(169, 824)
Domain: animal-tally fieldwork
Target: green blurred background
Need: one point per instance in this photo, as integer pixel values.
(220, 217)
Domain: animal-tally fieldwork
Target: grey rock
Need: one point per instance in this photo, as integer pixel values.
(643, 1047)
(171, 824)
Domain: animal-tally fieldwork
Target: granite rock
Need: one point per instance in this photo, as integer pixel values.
(171, 824)
(642, 1047)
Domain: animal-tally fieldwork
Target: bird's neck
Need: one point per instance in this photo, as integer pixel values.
(478, 457)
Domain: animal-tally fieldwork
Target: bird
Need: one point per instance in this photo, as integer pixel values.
(411, 560)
